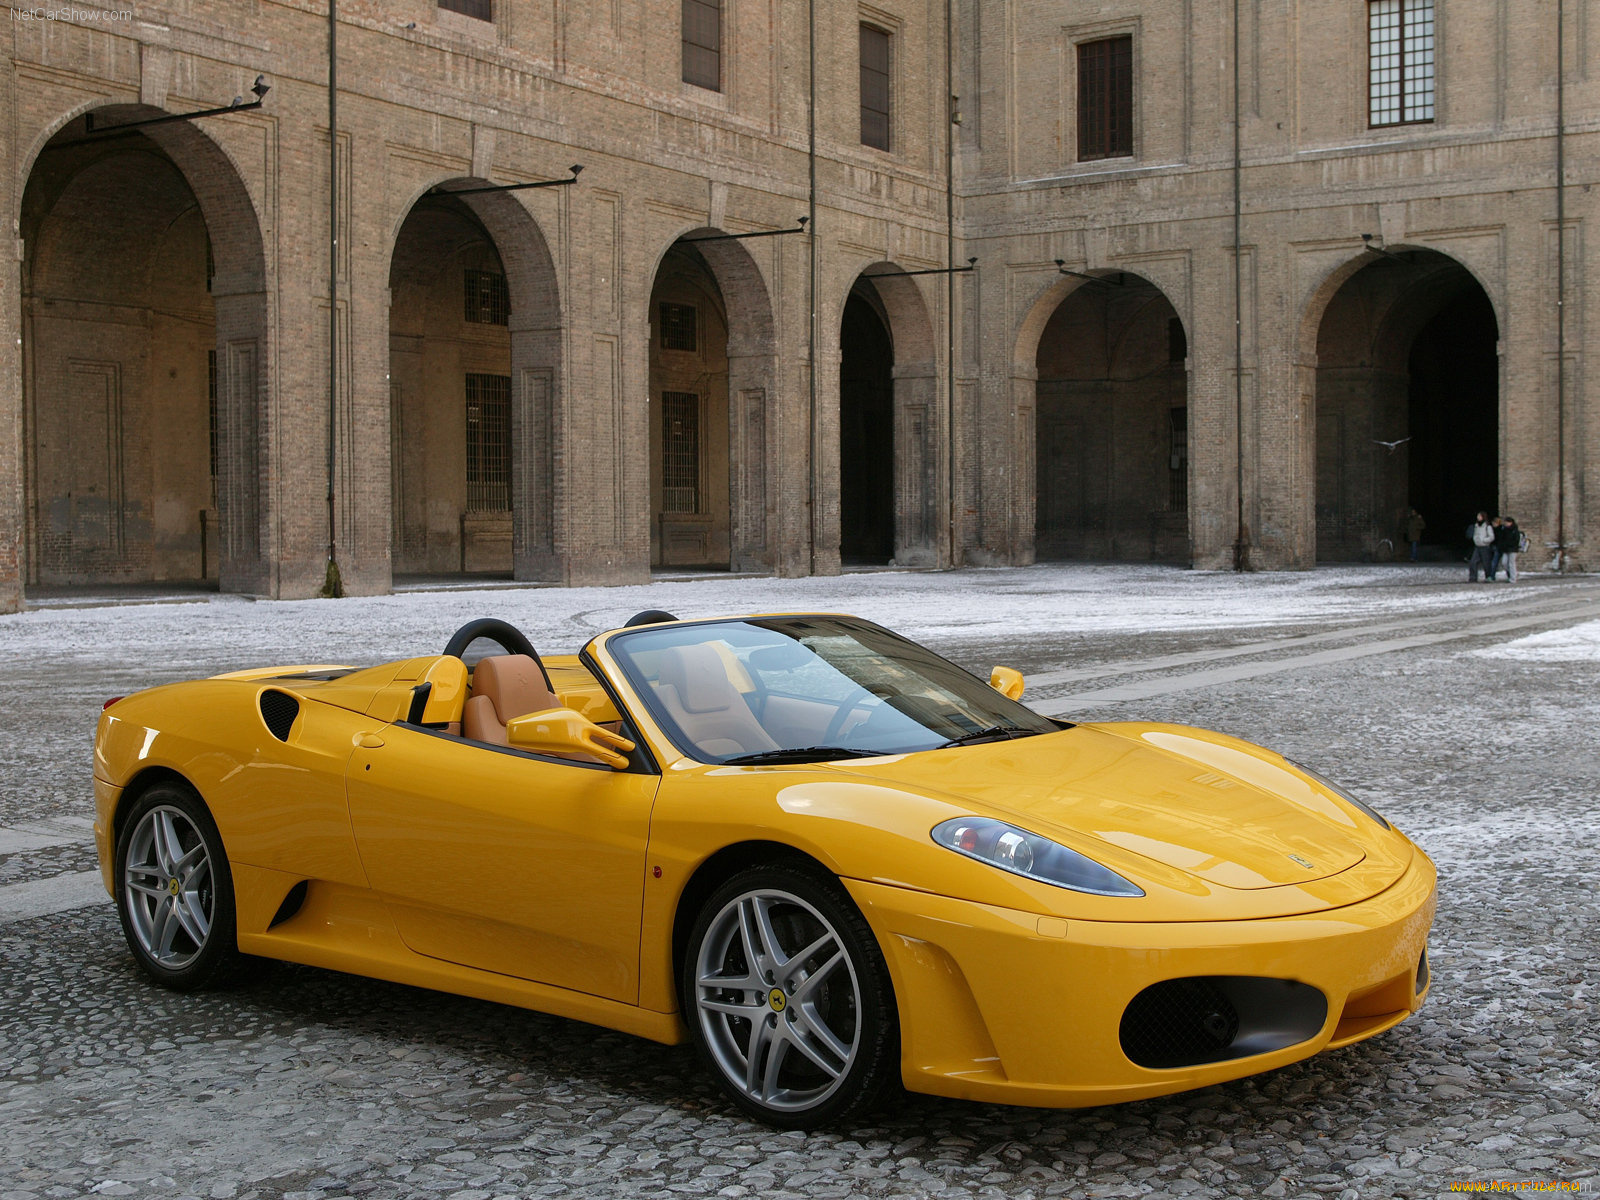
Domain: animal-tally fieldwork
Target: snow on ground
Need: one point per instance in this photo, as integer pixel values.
(1581, 643)
(927, 605)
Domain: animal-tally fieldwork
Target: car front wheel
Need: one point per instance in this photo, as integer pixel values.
(788, 998)
(175, 891)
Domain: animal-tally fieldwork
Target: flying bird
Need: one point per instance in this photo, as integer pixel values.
(1390, 445)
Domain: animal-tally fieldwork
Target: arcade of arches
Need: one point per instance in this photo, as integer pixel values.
(1407, 408)
(143, 316)
(1112, 426)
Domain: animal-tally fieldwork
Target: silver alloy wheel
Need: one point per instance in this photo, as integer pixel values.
(778, 999)
(167, 887)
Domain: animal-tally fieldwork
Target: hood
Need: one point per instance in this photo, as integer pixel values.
(1188, 799)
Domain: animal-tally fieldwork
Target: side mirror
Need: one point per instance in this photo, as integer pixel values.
(1007, 681)
(566, 734)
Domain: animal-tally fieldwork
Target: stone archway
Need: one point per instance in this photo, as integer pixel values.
(1111, 424)
(145, 358)
(886, 342)
(474, 354)
(1406, 406)
(713, 373)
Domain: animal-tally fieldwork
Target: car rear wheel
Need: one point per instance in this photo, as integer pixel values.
(789, 1000)
(175, 891)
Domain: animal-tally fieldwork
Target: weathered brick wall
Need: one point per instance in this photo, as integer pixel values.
(429, 97)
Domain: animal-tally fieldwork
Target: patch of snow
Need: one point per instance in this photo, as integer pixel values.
(1013, 602)
(1580, 643)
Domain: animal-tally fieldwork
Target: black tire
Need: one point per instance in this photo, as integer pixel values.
(182, 930)
(821, 1020)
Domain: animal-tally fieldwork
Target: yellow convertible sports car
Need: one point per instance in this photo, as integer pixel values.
(824, 854)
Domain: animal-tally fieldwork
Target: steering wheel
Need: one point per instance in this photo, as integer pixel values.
(847, 706)
(504, 634)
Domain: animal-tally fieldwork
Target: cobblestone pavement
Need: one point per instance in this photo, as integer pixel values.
(309, 1083)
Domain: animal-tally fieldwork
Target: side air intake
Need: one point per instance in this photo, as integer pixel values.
(278, 710)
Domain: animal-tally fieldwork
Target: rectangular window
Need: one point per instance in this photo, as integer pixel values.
(680, 452)
(1400, 61)
(679, 328)
(483, 10)
(211, 409)
(488, 299)
(874, 87)
(702, 43)
(1105, 98)
(488, 443)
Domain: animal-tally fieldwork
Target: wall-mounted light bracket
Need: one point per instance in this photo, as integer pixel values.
(1120, 281)
(1366, 239)
(972, 265)
(739, 237)
(260, 88)
(441, 190)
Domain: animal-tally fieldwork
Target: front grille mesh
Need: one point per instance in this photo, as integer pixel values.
(278, 710)
(1179, 1023)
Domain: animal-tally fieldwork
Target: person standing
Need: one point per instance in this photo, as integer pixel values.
(1481, 534)
(1507, 541)
(1494, 550)
(1414, 527)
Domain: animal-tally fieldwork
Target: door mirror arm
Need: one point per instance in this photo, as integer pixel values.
(567, 734)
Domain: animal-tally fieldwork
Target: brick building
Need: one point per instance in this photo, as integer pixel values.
(581, 382)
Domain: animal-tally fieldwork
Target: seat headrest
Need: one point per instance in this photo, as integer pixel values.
(514, 684)
(700, 677)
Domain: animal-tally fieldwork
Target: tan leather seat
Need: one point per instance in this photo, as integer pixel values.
(694, 687)
(504, 686)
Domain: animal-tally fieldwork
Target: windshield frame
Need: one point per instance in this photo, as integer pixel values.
(973, 692)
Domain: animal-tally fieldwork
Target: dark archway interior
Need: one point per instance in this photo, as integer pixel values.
(866, 433)
(1453, 405)
(690, 447)
(120, 367)
(1112, 456)
(449, 395)
(1407, 409)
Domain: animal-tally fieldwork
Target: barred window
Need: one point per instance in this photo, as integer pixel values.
(702, 43)
(874, 87)
(680, 452)
(488, 298)
(1400, 58)
(1178, 467)
(1105, 98)
(488, 443)
(483, 10)
(679, 327)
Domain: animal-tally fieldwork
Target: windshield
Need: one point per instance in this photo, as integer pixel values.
(806, 689)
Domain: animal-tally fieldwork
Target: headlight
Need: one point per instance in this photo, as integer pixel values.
(1339, 792)
(1028, 854)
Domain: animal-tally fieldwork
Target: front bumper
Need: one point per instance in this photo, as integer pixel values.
(1011, 1007)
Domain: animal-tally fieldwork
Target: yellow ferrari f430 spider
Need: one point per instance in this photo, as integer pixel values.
(827, 856)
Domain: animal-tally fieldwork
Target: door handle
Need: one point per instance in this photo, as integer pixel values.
(368, 741)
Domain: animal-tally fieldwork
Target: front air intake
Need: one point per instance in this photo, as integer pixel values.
(278, 710)
(1214, 1018)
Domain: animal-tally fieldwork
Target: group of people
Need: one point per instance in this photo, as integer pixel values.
(1495, 544)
